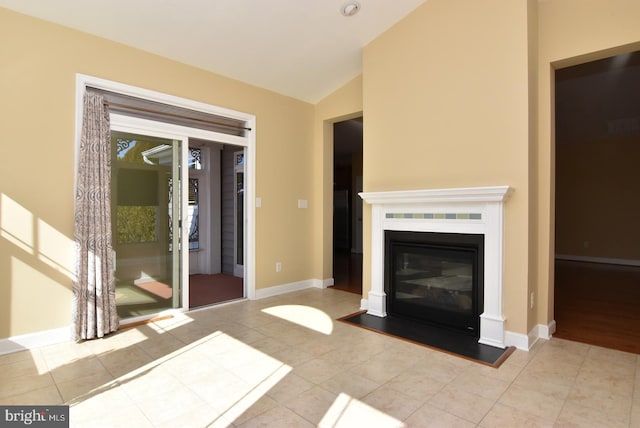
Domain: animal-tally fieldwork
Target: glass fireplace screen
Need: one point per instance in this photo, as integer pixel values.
(435, 277)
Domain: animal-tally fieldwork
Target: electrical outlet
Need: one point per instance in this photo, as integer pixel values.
(278, 267)
(532, 301)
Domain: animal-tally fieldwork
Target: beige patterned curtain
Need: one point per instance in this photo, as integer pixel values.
(94, 300)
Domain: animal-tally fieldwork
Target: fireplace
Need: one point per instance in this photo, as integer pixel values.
(475, 211)
(437, 278)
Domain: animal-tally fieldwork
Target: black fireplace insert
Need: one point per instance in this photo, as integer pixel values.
(435, 278)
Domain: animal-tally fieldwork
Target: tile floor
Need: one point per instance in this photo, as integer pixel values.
(285, 361)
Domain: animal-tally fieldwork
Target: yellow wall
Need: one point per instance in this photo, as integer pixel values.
(570, 32)
(532, 27)
(38, 66)
(451, 109)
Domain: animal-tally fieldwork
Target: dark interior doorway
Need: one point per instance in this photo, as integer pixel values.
(347, 205)
(597, 268)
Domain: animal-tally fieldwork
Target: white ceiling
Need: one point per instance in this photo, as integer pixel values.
(301, 48)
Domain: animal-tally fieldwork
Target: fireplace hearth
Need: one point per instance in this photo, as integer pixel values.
(436, 278)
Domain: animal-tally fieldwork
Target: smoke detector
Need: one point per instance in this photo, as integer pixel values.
(350, 9)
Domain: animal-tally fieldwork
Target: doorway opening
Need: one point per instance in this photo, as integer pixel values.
(597, 255)
(347, 205)
(216, 236)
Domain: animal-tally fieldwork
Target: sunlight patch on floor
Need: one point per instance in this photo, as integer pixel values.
(305, 316)
(260, 390)
(347, 411)
(178, 320)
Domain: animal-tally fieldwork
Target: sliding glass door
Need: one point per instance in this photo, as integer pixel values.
(146, 220)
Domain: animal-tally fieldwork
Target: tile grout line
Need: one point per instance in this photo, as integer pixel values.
(50, 373)
(573, 384)
(512, 383)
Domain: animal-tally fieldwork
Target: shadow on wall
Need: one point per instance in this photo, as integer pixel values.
(36, 262)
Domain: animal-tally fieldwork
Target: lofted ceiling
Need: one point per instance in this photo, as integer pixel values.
(304, 49)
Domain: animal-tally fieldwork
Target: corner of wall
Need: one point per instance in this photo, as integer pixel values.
(525, 342)
(35, 340)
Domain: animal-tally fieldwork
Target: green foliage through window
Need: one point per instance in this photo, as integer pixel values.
(136, 224)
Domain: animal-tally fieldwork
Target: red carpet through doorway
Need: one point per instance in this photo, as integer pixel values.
(209, 289)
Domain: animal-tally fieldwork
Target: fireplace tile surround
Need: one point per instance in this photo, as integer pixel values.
(476, 210)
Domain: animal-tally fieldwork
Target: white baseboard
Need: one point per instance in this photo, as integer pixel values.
(547, 331)
(364, 304)
(327, 282)
(277, 290)
(35, 340)
(526, 341)
(519, 340)
(605, 260)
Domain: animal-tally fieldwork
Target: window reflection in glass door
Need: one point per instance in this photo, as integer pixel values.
(145, 232)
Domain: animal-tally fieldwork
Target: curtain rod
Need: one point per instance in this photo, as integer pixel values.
(177, 116)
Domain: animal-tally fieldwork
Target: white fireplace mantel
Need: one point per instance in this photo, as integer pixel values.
(476, 210)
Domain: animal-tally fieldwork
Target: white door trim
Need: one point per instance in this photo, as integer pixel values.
(238, 269)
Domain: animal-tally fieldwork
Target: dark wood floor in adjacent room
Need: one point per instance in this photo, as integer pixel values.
(598, 304)
(347, 271)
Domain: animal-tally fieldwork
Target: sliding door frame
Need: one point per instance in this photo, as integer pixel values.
(178, 132)
(137, 126)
